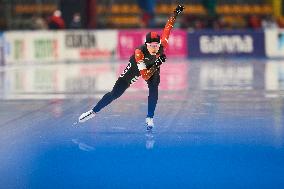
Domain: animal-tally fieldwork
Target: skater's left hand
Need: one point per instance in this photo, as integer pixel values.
(178, 10)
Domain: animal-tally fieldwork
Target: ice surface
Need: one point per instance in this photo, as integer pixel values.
(218, 124)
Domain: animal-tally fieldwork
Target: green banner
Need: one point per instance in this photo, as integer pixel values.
(45, 48)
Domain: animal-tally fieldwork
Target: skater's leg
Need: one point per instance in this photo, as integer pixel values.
(120, 86)
(129, 76)
(153, 84)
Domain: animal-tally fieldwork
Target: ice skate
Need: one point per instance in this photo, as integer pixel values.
(86, 116)
(149, 123)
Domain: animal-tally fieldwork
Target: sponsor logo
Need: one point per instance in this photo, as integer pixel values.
(19, 46)
(226, 44)
(86, 40)
(46, 48)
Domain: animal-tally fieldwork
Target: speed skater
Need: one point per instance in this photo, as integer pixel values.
(145, 62)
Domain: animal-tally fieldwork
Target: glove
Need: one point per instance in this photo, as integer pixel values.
(160, 60)
(179, 9)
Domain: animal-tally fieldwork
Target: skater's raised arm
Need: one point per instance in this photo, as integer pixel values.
(169, 25)
(153, 43)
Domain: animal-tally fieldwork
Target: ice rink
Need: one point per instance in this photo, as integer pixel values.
(219, 124)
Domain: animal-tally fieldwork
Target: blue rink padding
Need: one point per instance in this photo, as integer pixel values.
(221, 128)
(234, 43)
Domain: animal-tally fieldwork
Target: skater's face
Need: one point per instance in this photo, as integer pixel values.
(153, 47)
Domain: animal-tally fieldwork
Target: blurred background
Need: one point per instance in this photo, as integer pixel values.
(219, 119)
(71, 30)
(117, 14)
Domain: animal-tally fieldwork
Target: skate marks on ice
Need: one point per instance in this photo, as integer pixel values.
(83, 146)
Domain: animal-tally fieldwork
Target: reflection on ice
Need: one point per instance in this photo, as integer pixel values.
(59, 79)
(177, 78)
(226, 77)
(274, 75)
(150, 140)
(66, 80)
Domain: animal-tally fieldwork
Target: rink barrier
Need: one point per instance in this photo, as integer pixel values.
(274, 40)
(54, 46)
(208, 43)
(95, 45)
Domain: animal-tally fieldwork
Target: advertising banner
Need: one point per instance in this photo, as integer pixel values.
(90, 45)
(274, 43)
(54, 46)
(1, 49)
(32, 46)
(128, 40)
(225, 43)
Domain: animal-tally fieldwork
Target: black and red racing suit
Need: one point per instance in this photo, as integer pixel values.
(139, 64)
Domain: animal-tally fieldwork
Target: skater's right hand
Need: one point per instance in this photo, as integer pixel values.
(160, 60)
(147, 74)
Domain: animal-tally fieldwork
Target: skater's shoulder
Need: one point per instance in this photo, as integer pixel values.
(142, 48)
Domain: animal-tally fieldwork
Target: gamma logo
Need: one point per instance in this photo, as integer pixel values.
(226, 44)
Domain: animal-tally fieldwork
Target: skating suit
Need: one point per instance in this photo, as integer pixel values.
(140, 61)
